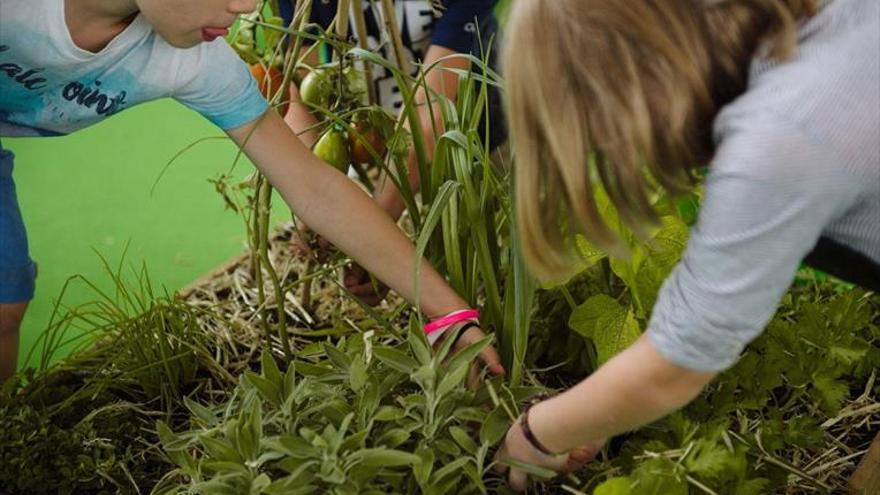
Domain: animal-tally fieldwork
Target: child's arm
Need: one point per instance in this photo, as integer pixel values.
(326, 199)
(636, 387)
(442, 82)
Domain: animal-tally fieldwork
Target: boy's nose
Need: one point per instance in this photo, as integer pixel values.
(242, 6)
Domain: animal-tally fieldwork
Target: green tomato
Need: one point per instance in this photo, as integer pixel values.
(316, 88)
(333, 149)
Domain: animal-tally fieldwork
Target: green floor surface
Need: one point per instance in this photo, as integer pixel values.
(90, 191)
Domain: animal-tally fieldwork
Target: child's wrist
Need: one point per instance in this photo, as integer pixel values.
(440, 324)
(534, 416)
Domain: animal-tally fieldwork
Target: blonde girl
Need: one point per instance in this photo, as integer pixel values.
(779, 99)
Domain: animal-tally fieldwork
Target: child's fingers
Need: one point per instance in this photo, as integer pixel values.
(519, 480)
(365, 293)
(489, 356)
(301, 247)
(492, 359)
(473, 379)
(577, 458)
(358, 282)
(352, 277)
(499, 467)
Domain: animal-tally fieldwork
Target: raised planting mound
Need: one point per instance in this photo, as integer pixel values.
(191, 394)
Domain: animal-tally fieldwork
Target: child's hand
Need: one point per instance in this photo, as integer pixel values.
(361, 285)
(310, 245)
(516, 446)
(488, 357)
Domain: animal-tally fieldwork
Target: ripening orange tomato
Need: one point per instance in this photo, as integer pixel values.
(270, 83)
(369, 133)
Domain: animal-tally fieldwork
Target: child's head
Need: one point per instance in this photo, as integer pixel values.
(186, 23)
(621, 94)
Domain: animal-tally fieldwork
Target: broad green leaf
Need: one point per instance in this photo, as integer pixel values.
(309, 369)
(669, 241)
(470, 352)
(382, 457)
(452, 379)
(389, 413)
(589, 253)
(425, 377)
(530, 469)
(395, 359)
(475, 476)
(356, 440)
(648, 281)
(627, 269)
(268, 391)
(220, 450)
(614, 486)
(663, 252)
(260, 483)
(448, 447)
(710, 459)
(495, 426)
(453, 467)
(423, 469)
(393, 437)
(225, 467)
(584, 317)
(851, 352)
(170, 441)
(658, 477)
(270, 369)
(831, 392)
(463, 439)
(615, 332)
(339, 359)
(417, 343)
(755, 486)
(474, 414)
(357, 374)
(201, 412)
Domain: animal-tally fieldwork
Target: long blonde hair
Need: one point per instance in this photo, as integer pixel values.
(622, 94)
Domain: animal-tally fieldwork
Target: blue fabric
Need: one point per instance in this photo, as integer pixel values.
(457, 28)
(17, 271)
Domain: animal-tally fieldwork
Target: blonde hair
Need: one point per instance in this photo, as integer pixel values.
(622, 95)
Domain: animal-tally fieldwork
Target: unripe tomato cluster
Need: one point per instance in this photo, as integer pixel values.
(334, 92)
(363, 141)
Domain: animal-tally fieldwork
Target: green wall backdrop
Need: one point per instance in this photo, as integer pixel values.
(90, 191)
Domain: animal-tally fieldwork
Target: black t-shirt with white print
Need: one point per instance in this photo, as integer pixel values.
(456, 28)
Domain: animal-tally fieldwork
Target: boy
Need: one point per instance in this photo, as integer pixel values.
(67, 64)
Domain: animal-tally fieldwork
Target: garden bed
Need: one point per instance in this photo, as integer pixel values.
(178, 394)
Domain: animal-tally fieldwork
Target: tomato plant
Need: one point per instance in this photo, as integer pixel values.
(270, 82)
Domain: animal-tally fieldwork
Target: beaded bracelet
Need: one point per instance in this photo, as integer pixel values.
(530, 435)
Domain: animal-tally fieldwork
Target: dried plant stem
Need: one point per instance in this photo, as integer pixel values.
(360, 28)
(342, 18)
(392, 27)
(256, 241)
(265, 201)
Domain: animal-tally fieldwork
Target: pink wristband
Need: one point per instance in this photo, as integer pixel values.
(451, 319)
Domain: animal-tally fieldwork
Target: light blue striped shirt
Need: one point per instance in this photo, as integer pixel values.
(797, 158)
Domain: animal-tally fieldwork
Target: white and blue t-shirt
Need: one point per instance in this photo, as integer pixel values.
(49, 86)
